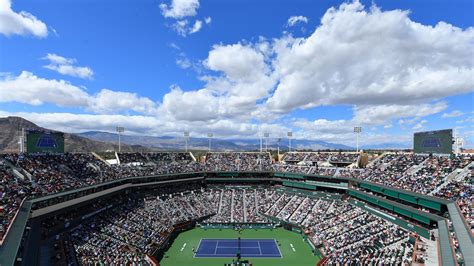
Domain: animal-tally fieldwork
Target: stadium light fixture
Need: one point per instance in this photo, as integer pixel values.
(186, 137)
(119, 130)
(21, 140)
(357, 130)
(266, 135)
(210, 135)
(290, 135)
(278, 148)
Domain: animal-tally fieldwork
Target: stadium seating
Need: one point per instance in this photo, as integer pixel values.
(123, 233)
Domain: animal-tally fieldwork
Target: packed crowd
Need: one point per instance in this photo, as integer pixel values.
(44, 174)
(156, 158)
(238, 161)
(462, 191)
(136, 227)
(29, 176)
(141, 223)
(349, 234)
(12, 193)
(320, 158)
(237, 205)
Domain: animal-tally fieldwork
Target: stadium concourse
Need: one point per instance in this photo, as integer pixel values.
(86, 209)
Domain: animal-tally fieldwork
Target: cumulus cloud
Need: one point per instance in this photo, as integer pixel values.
(371, 57)
(65, 66)
(22, 23)
(380, 114)
(180, 8)
(296, 19)
(108, 101)
(381, 64)
(142, 125)
(30, 89)
(199, 105)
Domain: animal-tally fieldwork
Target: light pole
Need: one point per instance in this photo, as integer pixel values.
(266, 135)
(261, 143)
(357, 130)
(210, 135)
(290, 135)
(119, 130)
(21, 141)
(186, 137)
(278, 148)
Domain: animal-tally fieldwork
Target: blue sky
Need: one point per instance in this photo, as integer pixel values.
(240, 68)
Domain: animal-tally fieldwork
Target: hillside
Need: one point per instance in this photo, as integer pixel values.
(10, 127)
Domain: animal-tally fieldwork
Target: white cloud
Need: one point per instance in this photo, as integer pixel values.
(30, 89)
(22, 23)
(296, 19)
(179, 9)
(108, 101)
(454, 113)
(198, 105)
(65, 66)
(380, 114)
(371, 58)
(379, 63)
(183, 28)
(196, 27)
(238, 62)
(469, 120)
(142, 125)
(420, 125)
(183, 62)
(342, 131)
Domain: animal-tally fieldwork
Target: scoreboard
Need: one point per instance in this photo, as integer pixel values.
(440, 142)
(44, 142)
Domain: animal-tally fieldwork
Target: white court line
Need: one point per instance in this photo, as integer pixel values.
(259, 248)
(183, 247)
(276, 244)
(196, 251)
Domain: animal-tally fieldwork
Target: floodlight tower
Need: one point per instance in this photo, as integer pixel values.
(119, 130)
(210, 135)
(357, 130)
(21, 140)
(266, 135)
(290, 135)
(186, 137)
(459, 144)
(278, 148)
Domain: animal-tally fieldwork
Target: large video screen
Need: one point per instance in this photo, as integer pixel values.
(44, 142)
(440, 141)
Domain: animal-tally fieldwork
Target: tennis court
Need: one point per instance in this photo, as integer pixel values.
(249, 248)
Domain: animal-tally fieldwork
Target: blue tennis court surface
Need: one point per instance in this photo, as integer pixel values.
(249, 248)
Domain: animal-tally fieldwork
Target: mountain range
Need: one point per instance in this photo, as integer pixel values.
(105, 141)
(178, 143)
